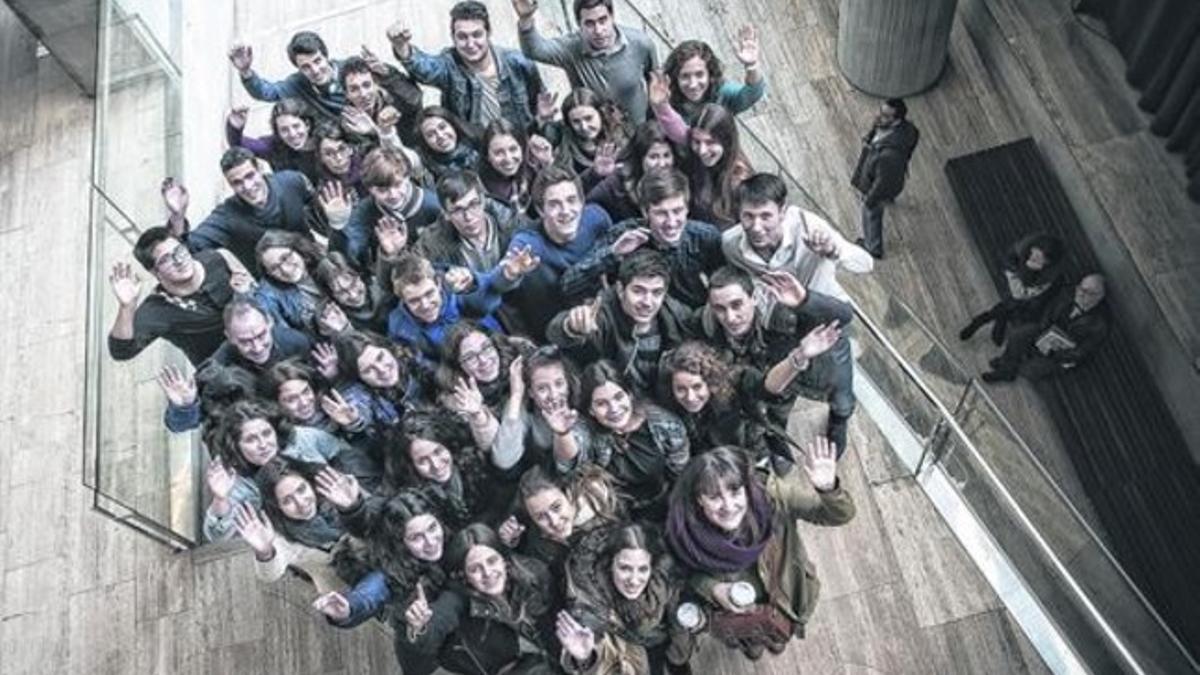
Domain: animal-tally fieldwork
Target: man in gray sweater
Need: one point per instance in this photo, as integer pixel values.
(610, 60)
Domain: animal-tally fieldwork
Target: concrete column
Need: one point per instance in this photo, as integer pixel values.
(68, 29)
(894, 48)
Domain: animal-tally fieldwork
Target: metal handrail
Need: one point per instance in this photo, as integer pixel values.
(1009, 500)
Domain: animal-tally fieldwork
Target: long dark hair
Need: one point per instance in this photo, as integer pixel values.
(548, 356)
(325, 528)
(387, 551)
(222, 438)
(716, 185)
(703, 361)
(494, 129)
(351, 344)
(295, 108)
(285, 371)
(645, 137)
(468, 134)
(427, 424)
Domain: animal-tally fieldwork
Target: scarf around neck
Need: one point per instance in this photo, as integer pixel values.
(701, 546)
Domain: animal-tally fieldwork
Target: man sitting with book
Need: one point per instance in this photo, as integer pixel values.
(1073, 325)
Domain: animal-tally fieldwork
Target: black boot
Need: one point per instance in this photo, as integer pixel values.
(977, 322)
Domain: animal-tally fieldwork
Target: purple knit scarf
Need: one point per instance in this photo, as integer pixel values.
(701, 546)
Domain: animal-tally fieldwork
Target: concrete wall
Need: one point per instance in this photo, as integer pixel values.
(68, 28)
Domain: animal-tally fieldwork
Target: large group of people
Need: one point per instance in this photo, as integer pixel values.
(513, 376)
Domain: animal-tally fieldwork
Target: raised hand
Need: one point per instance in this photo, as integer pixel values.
(561, 420)
(466, 398)
(338, 409)
(237, 117)
(516, 378)
(255, 529)
(337, 488)
(547, 106)
(241, 55)
(577, 640)
(376, 65)
(401, 39)
(820, 460)
(539, 152)
(242, 282)
(785, 288)
(418, 614)
(175, 196)
(630, 241)
(326, 358)
(605, 161)
(459, 279)
(659, 89)
(525, 8)
(745, 46)
(219, 479)
(519, 262)
(822, 243)
(387, 117)
(335, 203)
(333, 605)
(510, 532)
(125, 283)
(179, 388)
(392, 235)
(358, 122)
(819, 340)
(584, 319)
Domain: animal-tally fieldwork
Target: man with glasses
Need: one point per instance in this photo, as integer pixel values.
(280, 201)
(184, 308)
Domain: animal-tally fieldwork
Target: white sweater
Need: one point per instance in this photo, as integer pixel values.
(816, 272)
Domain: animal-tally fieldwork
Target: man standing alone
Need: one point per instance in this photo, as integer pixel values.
(882, 167)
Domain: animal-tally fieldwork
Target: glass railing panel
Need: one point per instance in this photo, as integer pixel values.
(141, 474)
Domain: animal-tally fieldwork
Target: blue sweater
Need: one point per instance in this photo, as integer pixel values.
(539, 295)
(426, 339)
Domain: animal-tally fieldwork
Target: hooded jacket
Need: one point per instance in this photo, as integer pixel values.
(883, 163)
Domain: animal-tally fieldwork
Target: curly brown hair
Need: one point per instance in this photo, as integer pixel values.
(704, 361)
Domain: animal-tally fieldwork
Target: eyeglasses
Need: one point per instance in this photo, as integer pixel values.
(339, 151)
(287, 258)
(344, 284)
(463, 209)
(178, 256)
(476, 357)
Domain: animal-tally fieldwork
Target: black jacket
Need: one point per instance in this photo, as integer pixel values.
(883, 164)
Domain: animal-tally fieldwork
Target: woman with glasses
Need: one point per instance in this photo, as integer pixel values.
(286, 289)
(473, 376)
(364, 302)
(340, 162)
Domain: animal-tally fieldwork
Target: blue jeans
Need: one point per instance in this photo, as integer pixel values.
(872, 226)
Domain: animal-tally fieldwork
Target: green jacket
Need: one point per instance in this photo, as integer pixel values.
(783, 569)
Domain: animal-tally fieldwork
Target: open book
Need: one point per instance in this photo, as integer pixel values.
(1053, 340)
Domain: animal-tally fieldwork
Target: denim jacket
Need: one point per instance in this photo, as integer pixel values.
(520, 83)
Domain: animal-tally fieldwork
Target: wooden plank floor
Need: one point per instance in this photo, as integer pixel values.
(81, 594)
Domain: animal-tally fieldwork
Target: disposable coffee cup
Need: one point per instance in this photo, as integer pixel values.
(689, 616)
(742, 594)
